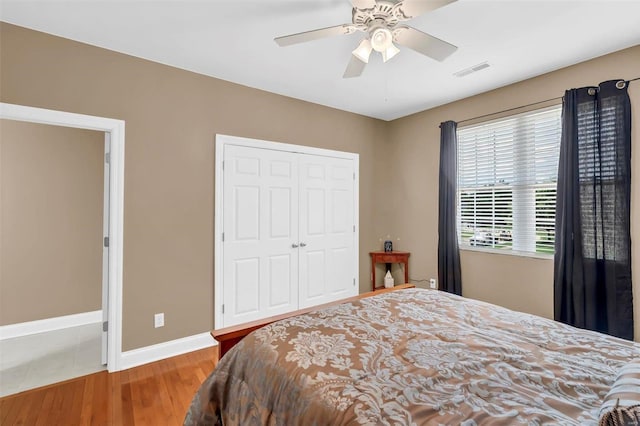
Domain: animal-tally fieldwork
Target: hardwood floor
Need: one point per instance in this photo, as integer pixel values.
(153, 394)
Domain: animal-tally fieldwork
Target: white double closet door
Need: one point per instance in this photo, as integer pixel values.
(289, 232)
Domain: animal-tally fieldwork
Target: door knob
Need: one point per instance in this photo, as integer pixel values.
(303, 244)
(294, 245)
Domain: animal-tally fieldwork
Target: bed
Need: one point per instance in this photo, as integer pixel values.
(413, 356)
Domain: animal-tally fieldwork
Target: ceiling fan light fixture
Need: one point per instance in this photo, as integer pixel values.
(363, 51)
(381, 39)
(390, 53)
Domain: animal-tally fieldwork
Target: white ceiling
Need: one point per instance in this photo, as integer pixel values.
(233, 40)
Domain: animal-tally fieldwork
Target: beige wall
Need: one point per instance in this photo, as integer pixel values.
(51, 198)
(172, 117)
(516, 282)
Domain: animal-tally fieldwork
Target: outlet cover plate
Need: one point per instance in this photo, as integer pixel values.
(158, 320)
(433, 283)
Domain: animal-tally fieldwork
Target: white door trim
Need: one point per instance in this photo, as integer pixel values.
(115, 128)
(221, 141)
(104, 351)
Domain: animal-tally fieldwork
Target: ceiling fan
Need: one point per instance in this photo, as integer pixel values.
(379, 19)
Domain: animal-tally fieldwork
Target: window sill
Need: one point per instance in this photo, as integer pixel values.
(508, 252)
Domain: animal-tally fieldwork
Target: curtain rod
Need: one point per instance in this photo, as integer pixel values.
(522, 106)
(510, 109)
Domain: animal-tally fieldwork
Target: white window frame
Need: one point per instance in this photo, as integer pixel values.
(522, 219)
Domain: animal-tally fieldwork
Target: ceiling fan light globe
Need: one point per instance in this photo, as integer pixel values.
(363, 51)
(390, 53)
(381, 39)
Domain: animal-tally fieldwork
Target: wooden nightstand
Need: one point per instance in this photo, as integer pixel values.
(388, 257)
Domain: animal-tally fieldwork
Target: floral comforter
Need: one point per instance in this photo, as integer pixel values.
(413, 357)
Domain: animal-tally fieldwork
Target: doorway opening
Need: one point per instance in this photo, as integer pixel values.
(109, 321)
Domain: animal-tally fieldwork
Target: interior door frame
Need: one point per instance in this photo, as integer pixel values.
(221, 142)
(114, 133)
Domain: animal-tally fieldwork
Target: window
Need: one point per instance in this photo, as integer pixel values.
(507, 173)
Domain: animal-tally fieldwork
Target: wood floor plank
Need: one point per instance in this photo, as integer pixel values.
(47, 406)
(86, 409)
(63, 399)
(127, 405)
(115, 390)
(152, 394)
(13, 407)
(76, 406)
(165, 394)
(101, 400)
(136, 396)
(5, 408)
(32, 402)
(57, 409)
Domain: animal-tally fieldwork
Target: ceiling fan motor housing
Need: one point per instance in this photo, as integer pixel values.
(384, 13)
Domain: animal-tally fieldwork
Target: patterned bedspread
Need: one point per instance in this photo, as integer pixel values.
(413, 357)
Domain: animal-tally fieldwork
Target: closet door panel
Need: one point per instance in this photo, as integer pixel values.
(341, 273)
(260, 219)
(313, 266)
(246, 275)
(280, 281)
(326, 226)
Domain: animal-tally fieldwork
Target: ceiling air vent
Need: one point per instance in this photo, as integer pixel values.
(472, 69)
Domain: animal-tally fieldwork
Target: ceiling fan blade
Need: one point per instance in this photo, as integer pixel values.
(423, 43)
(355, 68)
(315, 34)
(363, 4)
(413, 8)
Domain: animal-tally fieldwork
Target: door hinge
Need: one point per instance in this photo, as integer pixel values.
(223, 308)
(106, 241)
(105, 326)
(107, 157)
(354, 175)
(222, 164)
(354, 228)
(223, 237)
(354, 282)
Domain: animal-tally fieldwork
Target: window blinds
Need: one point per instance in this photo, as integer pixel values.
(507, 173)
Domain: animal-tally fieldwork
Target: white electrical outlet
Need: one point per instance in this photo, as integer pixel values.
(433, 283)
(158, 320)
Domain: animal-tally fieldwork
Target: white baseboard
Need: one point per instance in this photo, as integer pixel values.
(49, 324)
(136, 357)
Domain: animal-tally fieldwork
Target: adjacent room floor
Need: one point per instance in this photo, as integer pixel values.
(41, 359)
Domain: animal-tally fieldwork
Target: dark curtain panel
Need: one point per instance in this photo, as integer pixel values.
(592, 264)
(449, 275)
